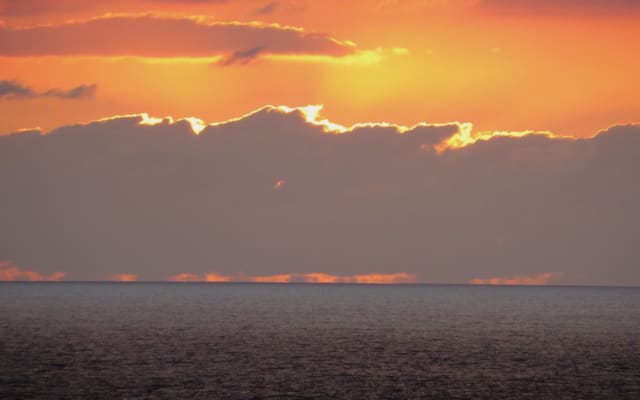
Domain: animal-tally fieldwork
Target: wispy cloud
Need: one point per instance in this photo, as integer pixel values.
(206, 277)
(14, 90)
(10, 272)
(541, 279)
(215, 277)
(242, 57)
(155, 36)
(558, 7)
(400, 277)
(123, 277)
(186, 277)
(268, 8)
(280, 278)
(313, 277)
(21, 8)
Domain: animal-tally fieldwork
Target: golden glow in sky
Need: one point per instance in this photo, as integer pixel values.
(548, 66)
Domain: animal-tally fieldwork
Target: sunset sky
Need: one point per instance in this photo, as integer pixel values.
(457, 71)
(567, 66)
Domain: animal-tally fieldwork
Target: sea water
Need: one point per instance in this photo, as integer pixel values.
(314, 341)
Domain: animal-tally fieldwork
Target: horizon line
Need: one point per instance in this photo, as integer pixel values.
(322, 283)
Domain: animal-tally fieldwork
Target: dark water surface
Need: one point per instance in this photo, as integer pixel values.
(270, 341)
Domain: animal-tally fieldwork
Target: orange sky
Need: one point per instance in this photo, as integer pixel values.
(563, 68)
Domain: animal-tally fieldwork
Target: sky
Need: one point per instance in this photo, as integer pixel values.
(372, 141)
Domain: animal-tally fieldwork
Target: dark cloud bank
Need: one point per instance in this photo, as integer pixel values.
(118, 195)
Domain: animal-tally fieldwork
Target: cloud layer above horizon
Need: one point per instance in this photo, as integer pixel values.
(280, 192)
(13, 90)
(163, 36)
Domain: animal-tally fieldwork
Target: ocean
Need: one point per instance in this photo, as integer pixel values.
(314, 341)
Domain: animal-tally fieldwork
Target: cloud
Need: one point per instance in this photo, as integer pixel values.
(268, 8)
(154, 36)
(401, 277)
(313, 277)
(185, 277)
(10, 272)
(242, 57)
(191, 1)
(123, 277)
(78, 92)
(279, 184)
(214, 277)
(28, 7)
(318, 277)
(437, 201)
(541, 279)
(370, 279)
(559, 7)
(282, 278)
(206, 277)
(517, 7)
(21, 8)
(13, 90)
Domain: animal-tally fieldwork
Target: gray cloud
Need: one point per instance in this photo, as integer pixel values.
(242, 57)
(157, 200)
(268, 8)
(14, 90)
(78, 92)
(150, 36)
